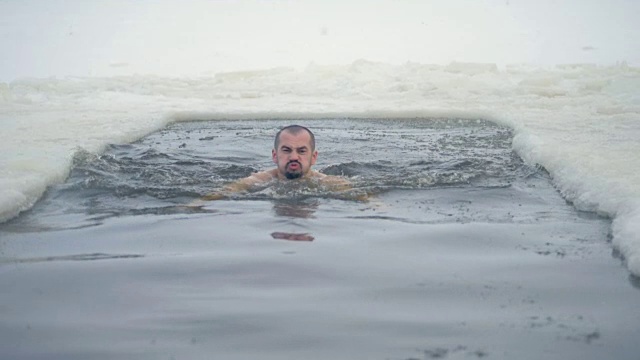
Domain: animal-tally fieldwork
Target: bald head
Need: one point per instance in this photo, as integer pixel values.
(295, 130)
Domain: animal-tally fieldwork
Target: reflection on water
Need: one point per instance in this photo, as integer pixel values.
(295, 208)
(292, 236)
(292, 208)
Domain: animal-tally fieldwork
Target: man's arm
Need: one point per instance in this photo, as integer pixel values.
(249, 182)
(240, 185)
(335, 183)
(340, 184)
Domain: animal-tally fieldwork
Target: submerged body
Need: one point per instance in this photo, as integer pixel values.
(294, 154)
(264, 177)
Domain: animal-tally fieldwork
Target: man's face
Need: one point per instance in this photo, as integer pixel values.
(294, 155)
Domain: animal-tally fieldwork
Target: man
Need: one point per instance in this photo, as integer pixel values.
(294, 153)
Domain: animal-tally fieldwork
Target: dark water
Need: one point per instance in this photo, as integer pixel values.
(463, 252)
(188, 160)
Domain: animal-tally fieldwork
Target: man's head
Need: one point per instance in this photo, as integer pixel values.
(294, 151)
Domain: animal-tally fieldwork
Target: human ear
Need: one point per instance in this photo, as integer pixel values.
(314, 157)
(274, 156)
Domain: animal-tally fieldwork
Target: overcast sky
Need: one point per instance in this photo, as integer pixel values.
(96, 38)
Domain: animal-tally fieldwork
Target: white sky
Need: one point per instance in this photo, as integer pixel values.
(95, 38)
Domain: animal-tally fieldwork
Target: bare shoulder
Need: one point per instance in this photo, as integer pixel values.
(241, 185)
(335, 182)
(341, 184)
(251, 180)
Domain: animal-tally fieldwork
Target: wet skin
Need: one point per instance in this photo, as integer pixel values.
(294, 155)
(294, 158)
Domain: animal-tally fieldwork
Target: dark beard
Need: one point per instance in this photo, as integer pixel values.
(293, 175)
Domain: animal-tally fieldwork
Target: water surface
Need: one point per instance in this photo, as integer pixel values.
(463, 252)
